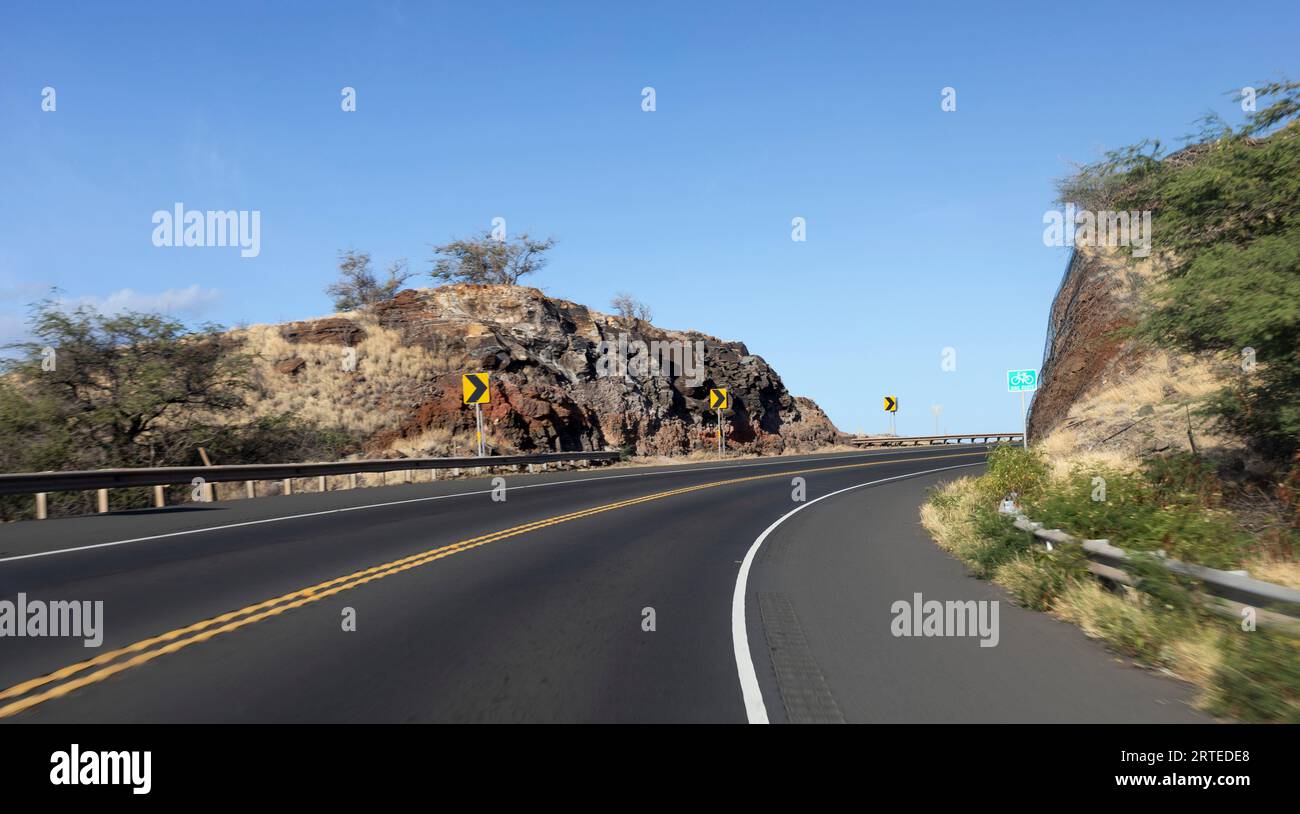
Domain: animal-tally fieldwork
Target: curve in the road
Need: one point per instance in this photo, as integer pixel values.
(146, 650)
(755, 709)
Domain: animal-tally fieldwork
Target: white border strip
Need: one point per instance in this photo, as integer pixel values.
(755, 710)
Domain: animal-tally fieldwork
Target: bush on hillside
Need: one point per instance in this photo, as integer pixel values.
(1226, 226)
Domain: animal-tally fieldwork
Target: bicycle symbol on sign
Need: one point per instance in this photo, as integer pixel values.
(1022, 379)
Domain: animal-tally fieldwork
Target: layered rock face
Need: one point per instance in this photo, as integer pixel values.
(1099, 389)
(563, 377)
(1096, 299)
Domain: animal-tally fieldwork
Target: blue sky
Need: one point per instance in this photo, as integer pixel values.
(924, 227)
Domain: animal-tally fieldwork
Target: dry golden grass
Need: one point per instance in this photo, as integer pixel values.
(434, 443)
(1160, 380)
(1065, 459)
(1190, 651)
(1275, 571)
(1145, 410)
(950, 517)
(373, 398)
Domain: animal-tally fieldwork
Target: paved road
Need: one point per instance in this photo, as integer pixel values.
(532, 608)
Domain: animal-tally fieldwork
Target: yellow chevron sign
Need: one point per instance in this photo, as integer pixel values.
(891, 404)
(474, 387)
(718, 399)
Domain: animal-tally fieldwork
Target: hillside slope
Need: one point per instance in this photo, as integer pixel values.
(1101, 390)
(402, 394)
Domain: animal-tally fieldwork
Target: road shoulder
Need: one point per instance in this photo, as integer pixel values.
(824, 603)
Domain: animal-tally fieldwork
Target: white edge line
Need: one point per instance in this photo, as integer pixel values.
(755, 710)
(183, 532)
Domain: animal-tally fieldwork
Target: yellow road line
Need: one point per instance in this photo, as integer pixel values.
(172, 641)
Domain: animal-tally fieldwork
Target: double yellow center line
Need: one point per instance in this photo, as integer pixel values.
(75, 676)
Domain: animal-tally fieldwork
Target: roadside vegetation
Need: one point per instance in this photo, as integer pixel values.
(91, 390)
(483, 258)
(1174, 507)
(1226, 236)
(94, 391)
(357, 286)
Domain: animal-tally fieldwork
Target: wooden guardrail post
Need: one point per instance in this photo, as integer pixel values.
(288, 486)
(102, 501)
(159, 498)
(321, 484)
(250, 488)
(42, 507)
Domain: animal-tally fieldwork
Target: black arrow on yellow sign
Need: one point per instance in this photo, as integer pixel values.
(891, 404)
(474, 387)
(718, 399)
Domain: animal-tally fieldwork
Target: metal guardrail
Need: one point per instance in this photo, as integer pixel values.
(1226, 592)
(27, 483)
(101, 480)
(921, 440)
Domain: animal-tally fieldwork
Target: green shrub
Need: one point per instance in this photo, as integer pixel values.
(1171, 504)
(1036, 578)
(1229, 236)
(1183, 477)
(1258, 679)
(1131, 623)
(999, 542)
(1159, 509)
(1014, 470)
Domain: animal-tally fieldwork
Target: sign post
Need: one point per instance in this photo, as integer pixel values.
(475, 390)
(719, 400)
(891, 407)
(1020, 381)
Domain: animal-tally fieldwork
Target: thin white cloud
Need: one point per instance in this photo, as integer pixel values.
(190, 301)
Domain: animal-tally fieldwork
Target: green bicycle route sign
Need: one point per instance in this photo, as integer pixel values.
(1022, 380)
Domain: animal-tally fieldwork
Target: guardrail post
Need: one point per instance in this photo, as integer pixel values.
(158, 479)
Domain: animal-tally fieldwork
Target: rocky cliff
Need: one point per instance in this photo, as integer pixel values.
(564, 377)
(1100, 389)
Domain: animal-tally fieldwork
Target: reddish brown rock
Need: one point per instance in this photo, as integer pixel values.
(547, 391)
(291, 366)
(328, 331)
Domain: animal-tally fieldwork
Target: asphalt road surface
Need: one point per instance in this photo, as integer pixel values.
(533, 608)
